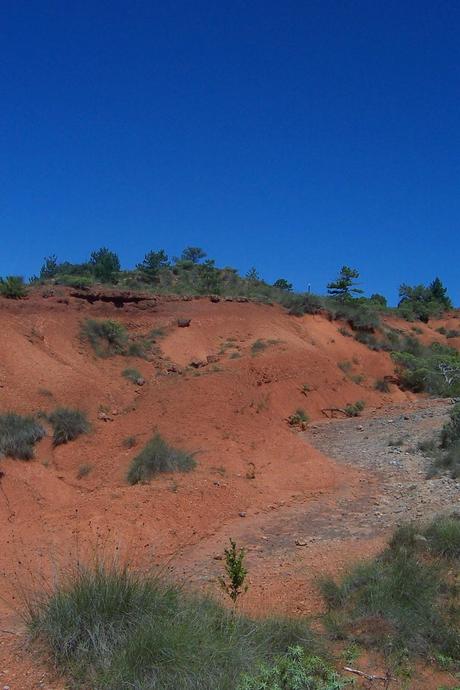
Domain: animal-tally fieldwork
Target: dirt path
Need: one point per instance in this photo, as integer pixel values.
(289, 546)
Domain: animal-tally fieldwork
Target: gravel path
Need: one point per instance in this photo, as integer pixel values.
(387, 446)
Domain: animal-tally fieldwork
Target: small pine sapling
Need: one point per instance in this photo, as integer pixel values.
(235, 572)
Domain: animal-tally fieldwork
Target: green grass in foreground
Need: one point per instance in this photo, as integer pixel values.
(108, 628)
(111, 629)
(406, 601)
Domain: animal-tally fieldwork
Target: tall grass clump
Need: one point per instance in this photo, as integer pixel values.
(156, 457)
(106, 627)
(13, 287)
(405, 600)
(443, 535)
(18, 435)
(107, 337)
(133, 375)
(67, 424)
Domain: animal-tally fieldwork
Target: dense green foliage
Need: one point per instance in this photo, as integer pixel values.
(294, 670)
(434, 368)
(105, 265)
(421, 302)
(232, 582)
(344, 286)
(18, 435)
(151, 266)
(404, 601)
(13, 287)
(156, 457)
(283, 284)
(107, 628)
(193, 254)
(355, 409)
(67, 424)
(133, 375)
(298, 417)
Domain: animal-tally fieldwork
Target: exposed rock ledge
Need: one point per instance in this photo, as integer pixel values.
(117, 297)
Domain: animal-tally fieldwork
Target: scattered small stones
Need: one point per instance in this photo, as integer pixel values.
(104, 417)
(242, 514)
(184, 323)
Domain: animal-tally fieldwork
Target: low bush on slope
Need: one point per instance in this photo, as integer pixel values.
(67, 424)
(13, 287)
(18, 435)
(156, 457)
(107, 337)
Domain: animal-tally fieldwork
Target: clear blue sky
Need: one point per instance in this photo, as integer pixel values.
(293, 136)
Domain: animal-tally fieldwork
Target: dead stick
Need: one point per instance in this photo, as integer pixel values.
(367, 675)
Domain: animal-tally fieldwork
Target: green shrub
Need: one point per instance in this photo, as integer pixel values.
(452, 333)
(299, 304)
(443, 535)
(423, 302)
(132, 375)
(298, 417)
(346, 366)
(108, 628)
(434, 369)
(232, 582)
(367, 339)
(129, 442)
(105, 265)
(74, 281)
(18, 434)
(399, 601)
(67, 424)
(84, 470)
(13, 287)
(157, 456)
(354, 409)
(294, 670)
(258, 346)
(107, 337)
